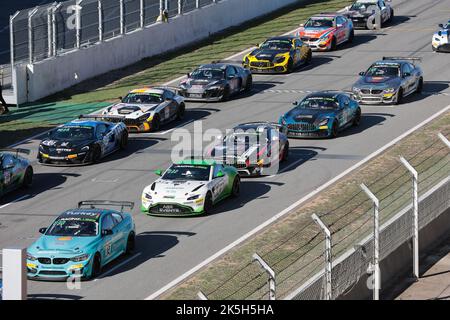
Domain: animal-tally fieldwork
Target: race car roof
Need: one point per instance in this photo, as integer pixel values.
(288, 37)
(148, 90)
(367, 1)
(197, 162)
(324, 94)
(325, 15)
(85, 123)
(214, 65)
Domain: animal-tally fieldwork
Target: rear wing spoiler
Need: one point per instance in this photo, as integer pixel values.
(109, 118)
(414, 59)
(95, 203)
(16, 150)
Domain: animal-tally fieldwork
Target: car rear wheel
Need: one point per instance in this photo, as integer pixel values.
(180, 111)
(124, 141)
(28, 178)
(207, 207)
(236, 187)
(131, 243)
(357, 119)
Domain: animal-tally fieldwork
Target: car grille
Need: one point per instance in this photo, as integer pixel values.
(60, 260)
(169, 209)
(52, 273)
(131, 122)
(302, 127)
(261, 64)
(309, 39)
(371, 91)
(45, 260)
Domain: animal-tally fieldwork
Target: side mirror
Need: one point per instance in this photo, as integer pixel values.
(362, 73)
(107, 232)
(50, 133)
(120, 98)
(42, 230)
(406, 74)
(158, 172)
(188, 75)
(219, 174)
(440, 25)
(302, 25)
(257, 45)
(294, 103)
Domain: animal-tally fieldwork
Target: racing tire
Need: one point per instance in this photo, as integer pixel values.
(249, 84)
(236, 189)
(333, 44)
(351, 36)
(285, 156)
(419, 86)
(28, 178)
(124, 141)
(334, 130)
(357, 119)
(290, 66)
(131, 243)
(399, 97)
(156, 123)
(207, 207)
(180, 111)
(96, 267)
(226, 94)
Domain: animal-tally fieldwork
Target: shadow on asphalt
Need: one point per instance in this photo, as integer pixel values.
(368, 120)
(49, 296)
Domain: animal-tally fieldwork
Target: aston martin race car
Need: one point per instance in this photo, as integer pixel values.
(146, 109)
(369, 14)
(249, 147)
(324, 32)
(15, 171)
(441, 38)
(82, 141)
(322, 114)
(388, 81)
(278, 55)
(215, 82)
(81, 241)
(190, 187)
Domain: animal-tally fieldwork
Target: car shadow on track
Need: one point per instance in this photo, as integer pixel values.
(50, 296)
(429, 88)
(317, 60)
(359, 39)
(368, 120)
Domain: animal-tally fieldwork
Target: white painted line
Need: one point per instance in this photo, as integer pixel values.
(291, 207)
(18, 199)
(118, 266)
(104, 181)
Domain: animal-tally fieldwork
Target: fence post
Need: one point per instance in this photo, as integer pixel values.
(270, 272)
(78, 22)
(376, 243)
(201, 296)
(179, 7)
(444, 139)
(415, 195)
(121, 16)
(100, 21)
(49, 31)
(31, 13)
(328, 258)
(197, 4)
(141, 13)
(11, 39)
(56, 7)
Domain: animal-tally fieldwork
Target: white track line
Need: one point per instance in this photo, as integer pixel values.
(18, 199)
(291, 207)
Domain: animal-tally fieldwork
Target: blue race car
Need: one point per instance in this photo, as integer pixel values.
(83, 141)
(322, 114)
(80, 242)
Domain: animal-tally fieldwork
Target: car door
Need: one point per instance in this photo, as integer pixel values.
(341, 30)
(104, 137)
(171, 107)
(110, 241)
(343, 112)
(298, 52)
(407, 78)
(383, 11)
(232, 78)
(121, 230)
(218, 183)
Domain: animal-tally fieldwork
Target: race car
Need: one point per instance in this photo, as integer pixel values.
(15, 171)
(388, 81)
(146, 109)
(278, 55)
(81, 241)
(190, 187)
(369, 14)
(215, 82)
(441, 38)
(248, 147)
(325, 31)
(322, 114)
(82, 141)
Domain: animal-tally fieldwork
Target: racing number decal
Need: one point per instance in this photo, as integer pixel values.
(7, 177)
(108, 248)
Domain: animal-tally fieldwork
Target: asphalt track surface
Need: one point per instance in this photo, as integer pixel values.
(168, 247)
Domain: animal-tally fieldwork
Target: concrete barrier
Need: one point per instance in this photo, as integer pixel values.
(55, 74)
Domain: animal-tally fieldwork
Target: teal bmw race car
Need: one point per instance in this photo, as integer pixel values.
(80, 242)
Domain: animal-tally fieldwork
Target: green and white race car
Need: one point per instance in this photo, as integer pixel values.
(190, 187)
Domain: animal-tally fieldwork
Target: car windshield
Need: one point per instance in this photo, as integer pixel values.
(73, 227)
(319, 23)
(318, 103)
(244, 137)
(73, 133)
(208, 73)
(277, 45)
(363, 6)
(383, 71)
(145, 98)
(187, 172)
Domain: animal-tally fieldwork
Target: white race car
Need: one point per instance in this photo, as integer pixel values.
(441, 39)
(146, 109)
(190, 187)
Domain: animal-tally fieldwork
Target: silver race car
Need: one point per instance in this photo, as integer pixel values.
(368, 14)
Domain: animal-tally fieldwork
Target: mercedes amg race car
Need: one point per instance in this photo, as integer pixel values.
(81, 241)
(322, 114)
(278, 55)
(324, 32)
(215, 82)
(441, 39)
(15, 171)
(369, 14)
(82, 141)
(248, 147)
(146, 109)
(190, 187)
(388, 81)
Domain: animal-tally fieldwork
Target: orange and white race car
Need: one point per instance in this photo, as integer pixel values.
(325, 31)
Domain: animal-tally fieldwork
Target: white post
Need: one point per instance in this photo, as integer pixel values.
(179, 7)
(49, 31)
(100, 21)
(11, 38)
(201, 296)
(121, 17)
(376, 243)
(197, 4)
(328, 262)
(78, 22)
(444, 139)
(270, 272)
(31, 13)
(141, 13)
(415, 177)
(14, 274)
(56, 7)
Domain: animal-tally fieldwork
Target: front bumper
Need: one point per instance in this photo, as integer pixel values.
(377, 96)
(173, 208)
(55, 272)
(45, 157)
(443, 47)
(266, 67)
(316, 44)
(307, 130)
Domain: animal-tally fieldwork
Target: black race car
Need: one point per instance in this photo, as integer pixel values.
(217, 81)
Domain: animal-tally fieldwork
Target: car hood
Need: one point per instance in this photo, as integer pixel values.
(131, 110)
(241, 150)
(177, 187)
(64, 144)
(307, 115)
(358, 13)
(267, 54)
(201, 83)
(61, 245)
(379, 82)
(315, 32)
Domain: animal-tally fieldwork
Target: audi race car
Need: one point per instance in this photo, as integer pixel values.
(441, 39)
(80, 242)
(322, 114)
(215, 82)
(324, 32)
(368, 14)
(15, 171)
(82, 141)
(388, 81)
(278, 55)
(146, 109)
(248, 147)
(190, 187)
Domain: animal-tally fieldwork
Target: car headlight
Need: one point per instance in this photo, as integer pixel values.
(194, 197)
(280, 59)
(30, 257)
(437, 39)
(325, 37)
(83, 257)
(147, 196)
(389, 90)
(86, 148)
(323, 122)
(282, 121)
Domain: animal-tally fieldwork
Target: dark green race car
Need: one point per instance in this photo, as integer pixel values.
(15, 171)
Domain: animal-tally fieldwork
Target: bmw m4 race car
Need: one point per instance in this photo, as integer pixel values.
(215, 82)
(368, 14)
(388, 81)
(278, 55)
(80, 242)
(190, 187)
(82, 141)
(15, 171)
(441, 38)
(249, 147)
(322, 114)
(325, 31)
(146, 109)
